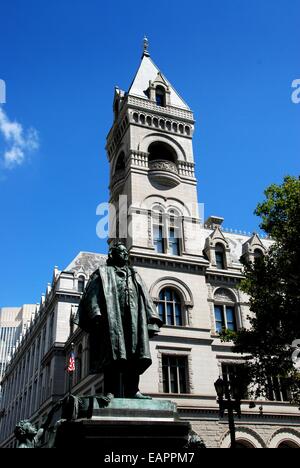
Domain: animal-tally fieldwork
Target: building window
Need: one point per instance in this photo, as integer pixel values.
(160, 96)
(236, 375)
(174, 234)
(220, 257)
(225, 318)
(278, 389)
(81, 284)
(175, 374)
(158, 233)
(170, 308)
(258, 254)
(174, 242)
(167, 232)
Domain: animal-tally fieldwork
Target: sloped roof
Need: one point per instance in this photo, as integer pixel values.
(86, 262)
(148, 71)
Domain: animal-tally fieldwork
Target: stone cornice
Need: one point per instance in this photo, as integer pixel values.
(145, 104)
(56, 348)
(266, 418)
(221, 276)
(120, 125)
(188, 265)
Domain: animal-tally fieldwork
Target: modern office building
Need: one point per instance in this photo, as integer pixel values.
(13, 323)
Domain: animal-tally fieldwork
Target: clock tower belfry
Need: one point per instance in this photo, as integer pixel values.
(152, 180)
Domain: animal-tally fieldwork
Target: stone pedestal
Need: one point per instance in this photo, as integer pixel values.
(126, 426)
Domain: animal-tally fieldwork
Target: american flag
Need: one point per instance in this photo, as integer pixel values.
(71, 366)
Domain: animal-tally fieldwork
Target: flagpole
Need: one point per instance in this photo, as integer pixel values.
(71, 373)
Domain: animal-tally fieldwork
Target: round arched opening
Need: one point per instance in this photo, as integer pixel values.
(244, 444)
(288, 444)
(120, 166)
(161, 151)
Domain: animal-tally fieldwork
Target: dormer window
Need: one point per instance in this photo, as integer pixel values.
(160, 96)
(253, 249)
(220, 257)
(258, 254)
(81, 284)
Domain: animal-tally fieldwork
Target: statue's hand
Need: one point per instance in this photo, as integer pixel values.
(153, 330)
(152, 334)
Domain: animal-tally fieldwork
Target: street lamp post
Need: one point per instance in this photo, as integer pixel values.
(230, 404)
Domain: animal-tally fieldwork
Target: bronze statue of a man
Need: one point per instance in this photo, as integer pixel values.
(119, 315)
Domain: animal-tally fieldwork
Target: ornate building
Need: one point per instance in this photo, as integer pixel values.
(192, 270)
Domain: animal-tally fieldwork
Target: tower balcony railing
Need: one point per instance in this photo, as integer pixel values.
(160, 169)
(144, 103)
(163, 165)
(165, 172)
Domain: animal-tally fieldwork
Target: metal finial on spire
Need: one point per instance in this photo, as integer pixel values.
(146, 47)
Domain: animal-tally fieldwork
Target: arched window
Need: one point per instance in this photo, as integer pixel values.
(160, 96)
(278, 389)
(175, 374)
(170, 307)
(220, 257)
(243, 444)
(161, 151)
(167, 232)
(120, 166)
(288, 444)
(258, 254)
(225, 311)
(159, 240)
(81, 284)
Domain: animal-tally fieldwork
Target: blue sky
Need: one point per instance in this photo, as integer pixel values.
(233, 61)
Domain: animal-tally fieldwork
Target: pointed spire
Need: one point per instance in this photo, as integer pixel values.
(147, 72)
(146, 47)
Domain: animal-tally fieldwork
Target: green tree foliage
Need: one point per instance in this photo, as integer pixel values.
(273, 284)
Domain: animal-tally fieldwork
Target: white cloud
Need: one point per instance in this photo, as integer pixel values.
(18, 142)
(14, 157)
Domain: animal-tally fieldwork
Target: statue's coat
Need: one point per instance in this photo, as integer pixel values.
(107, 341)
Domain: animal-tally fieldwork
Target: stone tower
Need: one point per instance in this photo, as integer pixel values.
(152, 178)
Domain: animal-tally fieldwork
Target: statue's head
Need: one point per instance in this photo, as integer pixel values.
(118, 255)
(25, 430)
